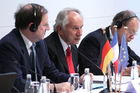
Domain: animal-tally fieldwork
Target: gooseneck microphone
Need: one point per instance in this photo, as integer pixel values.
(22, 66)
(85, 57)
(16, 62)
(131, 57)
(32, 71)
(15, 90)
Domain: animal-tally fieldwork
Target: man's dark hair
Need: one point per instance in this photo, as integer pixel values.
(25, 15)
(123, 17)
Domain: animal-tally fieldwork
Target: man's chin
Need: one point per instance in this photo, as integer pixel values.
(129, 40)
(76, 42)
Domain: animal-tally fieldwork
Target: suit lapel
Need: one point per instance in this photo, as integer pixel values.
(62, 57)
(23, 50)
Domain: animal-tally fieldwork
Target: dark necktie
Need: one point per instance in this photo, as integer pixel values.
(33, 60)
(69, 60)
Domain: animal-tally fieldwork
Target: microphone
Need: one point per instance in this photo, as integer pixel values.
(38, 74)
(16, 62)
(15, 90)
(100, 71)
(131, 57)
(90, 61)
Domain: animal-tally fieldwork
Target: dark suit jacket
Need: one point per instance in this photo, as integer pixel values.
(91, 46)
(14, 58)
(57, 54)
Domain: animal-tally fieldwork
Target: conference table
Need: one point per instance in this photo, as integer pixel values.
(127, 85)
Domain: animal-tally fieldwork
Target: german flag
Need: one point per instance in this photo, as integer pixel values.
(107, 53)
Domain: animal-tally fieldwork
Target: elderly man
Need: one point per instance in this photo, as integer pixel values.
(62, 42)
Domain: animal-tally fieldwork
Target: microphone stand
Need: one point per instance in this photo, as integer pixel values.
(85, 57)
(22, 66)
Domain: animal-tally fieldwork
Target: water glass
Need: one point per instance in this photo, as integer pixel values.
(35, 86)
(48, 85)
(74, 80)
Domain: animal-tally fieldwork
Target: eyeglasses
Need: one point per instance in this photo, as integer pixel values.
(132, 32)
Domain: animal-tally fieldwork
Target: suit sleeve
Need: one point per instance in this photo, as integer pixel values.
(9, 59)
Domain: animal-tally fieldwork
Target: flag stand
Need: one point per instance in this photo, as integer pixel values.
(109, 77)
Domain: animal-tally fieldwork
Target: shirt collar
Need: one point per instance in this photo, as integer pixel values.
(64, 44)
(27, 42)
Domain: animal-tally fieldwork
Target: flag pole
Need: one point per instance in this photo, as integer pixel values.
(115, 27)
(109, 76)
(120, 79)
(115, 84)
(103, 29)
(125, 29)
(108, 54)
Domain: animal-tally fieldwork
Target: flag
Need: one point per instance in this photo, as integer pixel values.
(123, 57)
(107, 54)
(115, 48)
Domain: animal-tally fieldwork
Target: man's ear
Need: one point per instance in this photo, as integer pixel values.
(29, 25)
(59, 29)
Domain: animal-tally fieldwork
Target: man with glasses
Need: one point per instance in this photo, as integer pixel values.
(92, 43)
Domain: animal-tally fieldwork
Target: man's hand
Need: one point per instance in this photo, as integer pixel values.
(138, 69)
(127, 71)
(81, 78)
(62, 87)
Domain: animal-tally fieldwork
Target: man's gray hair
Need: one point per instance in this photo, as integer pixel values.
(62, 17)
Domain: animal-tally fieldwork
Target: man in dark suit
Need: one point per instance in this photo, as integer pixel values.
(91, 45)
(67, 32)
(31, 22)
